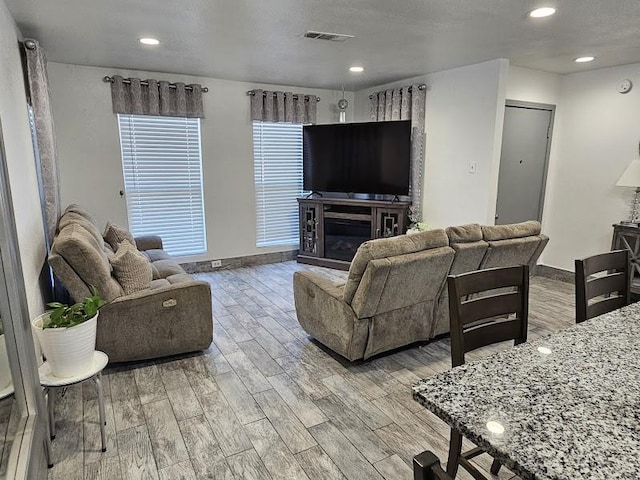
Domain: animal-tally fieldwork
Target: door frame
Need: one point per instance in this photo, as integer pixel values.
(545, 107)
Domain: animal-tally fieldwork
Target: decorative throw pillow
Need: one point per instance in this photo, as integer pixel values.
(114, 235)
(131, 268)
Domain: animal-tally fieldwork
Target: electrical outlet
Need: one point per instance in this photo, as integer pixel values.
(216, 263)
(473, 166)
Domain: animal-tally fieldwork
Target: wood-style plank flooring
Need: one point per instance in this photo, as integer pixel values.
(266, 402)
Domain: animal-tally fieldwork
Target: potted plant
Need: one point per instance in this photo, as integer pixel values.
(417, 227)
(67, 335)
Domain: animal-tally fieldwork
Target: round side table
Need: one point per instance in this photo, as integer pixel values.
(50, 383)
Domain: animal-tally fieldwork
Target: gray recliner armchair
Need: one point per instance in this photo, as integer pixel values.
(388, 300)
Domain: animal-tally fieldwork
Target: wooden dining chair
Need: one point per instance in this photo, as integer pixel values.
(605, 278)
(426, 466)
(485, 307)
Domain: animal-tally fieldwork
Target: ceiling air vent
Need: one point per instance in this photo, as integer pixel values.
(332, 37)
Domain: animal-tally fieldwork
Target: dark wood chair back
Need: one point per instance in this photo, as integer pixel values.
(481, 320)
(613, 286)
(426, 466)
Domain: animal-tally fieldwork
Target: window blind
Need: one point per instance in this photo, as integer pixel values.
(277, 154)
(162, 168)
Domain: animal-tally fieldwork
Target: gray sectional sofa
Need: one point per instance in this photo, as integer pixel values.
(395, 293)
(171, 315)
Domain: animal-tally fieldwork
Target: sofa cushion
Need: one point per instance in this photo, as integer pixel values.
(166, 268)
(389, 247)
(108, 250)
(179, 278)
(400, 281)
(86, 256)
(464, 233)
(156, 254)
(159, 283)
(511, 252)
(114, 234)
(70, 218)
(78, 290)
(131, 268)
(492, 233)
(468, 256)
(75, 208)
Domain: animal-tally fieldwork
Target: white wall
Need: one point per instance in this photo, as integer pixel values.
(529, 85)
(464, 116)
(20, 160)
(597, 134)
(89, 151)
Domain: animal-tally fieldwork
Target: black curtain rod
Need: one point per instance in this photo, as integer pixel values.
(420, 87)
(108, 79)
(252, 93)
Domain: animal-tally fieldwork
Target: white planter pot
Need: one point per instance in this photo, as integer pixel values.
(5, 370)
(69, 351)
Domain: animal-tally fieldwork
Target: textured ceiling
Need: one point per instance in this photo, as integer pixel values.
(260, 40)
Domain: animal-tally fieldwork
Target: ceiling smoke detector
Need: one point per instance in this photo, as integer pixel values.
(331, 37)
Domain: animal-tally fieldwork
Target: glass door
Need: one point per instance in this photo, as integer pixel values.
(10, 415)
(22, 428)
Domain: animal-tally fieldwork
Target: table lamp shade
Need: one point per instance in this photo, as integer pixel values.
(631, 176)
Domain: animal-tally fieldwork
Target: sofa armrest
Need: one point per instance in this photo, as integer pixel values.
(155, 323)
(333, 289)
(323, 314)
(175, 289)
(149, 242)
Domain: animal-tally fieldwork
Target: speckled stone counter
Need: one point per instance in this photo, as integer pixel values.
(569, 403)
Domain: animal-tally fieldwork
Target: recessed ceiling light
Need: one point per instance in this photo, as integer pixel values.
(542, 12)
(584, 59)
(149, 41)
(356, 69)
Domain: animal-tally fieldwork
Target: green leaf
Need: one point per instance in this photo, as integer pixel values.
(65, 316)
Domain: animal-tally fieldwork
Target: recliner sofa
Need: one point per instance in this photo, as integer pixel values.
(395, 293)
(173, 315)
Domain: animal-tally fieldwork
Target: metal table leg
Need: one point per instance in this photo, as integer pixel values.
(48, 435)
(49, 449)
(51, 399)
(103, 422)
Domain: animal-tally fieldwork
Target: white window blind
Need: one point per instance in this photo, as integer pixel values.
(277, 155)
(162, 168)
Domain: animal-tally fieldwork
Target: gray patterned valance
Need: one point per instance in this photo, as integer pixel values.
(152, 97)
(406, 103)
(289, 107)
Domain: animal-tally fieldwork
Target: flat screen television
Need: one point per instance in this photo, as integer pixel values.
(369, 157)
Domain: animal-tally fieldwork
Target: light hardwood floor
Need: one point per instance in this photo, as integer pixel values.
(267, 402)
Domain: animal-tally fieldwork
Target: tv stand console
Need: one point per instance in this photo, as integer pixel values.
(332, 229)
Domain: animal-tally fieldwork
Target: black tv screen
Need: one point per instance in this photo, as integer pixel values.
(358, 157)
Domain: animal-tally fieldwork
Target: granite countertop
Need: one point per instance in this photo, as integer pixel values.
(569, 403)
